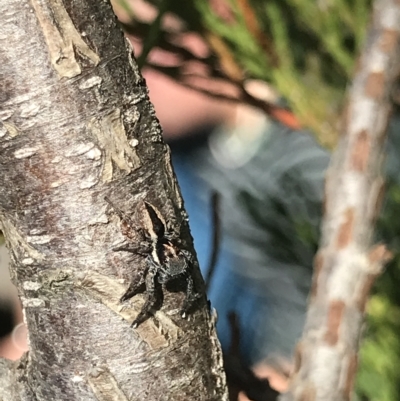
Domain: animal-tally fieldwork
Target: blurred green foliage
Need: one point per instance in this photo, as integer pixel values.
(306, 49)
(379, 375)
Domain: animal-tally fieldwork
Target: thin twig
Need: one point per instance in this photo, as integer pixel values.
(239, 376)
(216, 239)
(227, 76)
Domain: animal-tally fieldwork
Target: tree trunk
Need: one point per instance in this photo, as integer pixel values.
(76, 126)
(348, 262)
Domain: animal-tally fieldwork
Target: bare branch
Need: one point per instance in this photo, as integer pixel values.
(347, 262)
(216, 239)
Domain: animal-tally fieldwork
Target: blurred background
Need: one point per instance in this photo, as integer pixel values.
(249, 94)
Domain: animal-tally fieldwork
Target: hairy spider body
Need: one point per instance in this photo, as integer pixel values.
(165, 261)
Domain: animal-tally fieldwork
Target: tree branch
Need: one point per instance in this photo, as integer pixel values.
(76, 125)
(347, 262)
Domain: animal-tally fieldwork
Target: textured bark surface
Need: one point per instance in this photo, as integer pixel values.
(76, 125)
(347, 262)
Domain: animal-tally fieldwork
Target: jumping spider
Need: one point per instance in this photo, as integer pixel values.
(147, 235)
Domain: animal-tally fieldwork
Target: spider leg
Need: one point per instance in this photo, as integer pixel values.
(121, 214)
(143, 248)
(134, 287)
(151, 293)
(170, 236)
(188, 256)
(191, 296)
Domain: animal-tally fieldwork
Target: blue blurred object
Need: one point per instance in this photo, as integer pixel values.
(189, 158)
(271, 185)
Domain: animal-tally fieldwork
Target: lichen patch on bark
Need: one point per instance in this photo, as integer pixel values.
(62, 38)
(9, 129)
(104, 385)
(17, 241)
(110, 131)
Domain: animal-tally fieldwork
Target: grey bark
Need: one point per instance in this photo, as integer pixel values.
(76, 125)
(348, 261)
